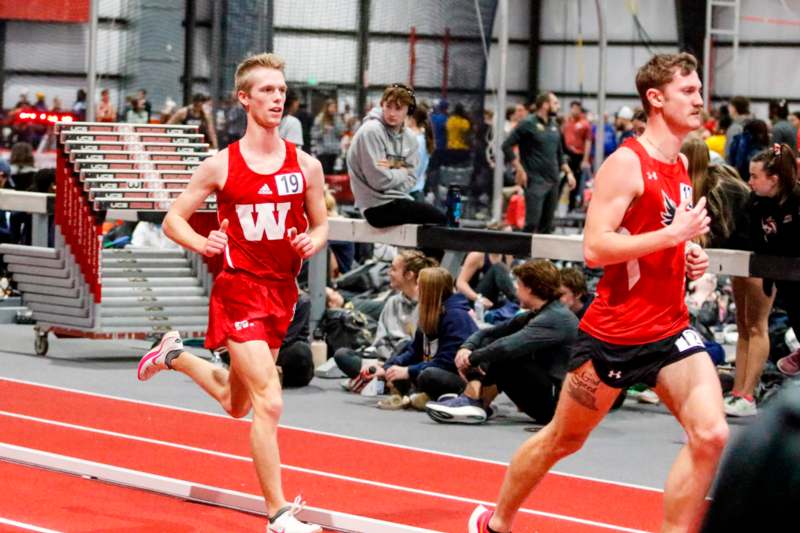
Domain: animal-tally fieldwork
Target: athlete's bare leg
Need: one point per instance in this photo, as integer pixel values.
(690, 388)
(583, 403)
(224, 386)
(252, 381)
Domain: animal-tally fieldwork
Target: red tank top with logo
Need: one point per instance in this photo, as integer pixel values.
(642, 300)
(261, 208)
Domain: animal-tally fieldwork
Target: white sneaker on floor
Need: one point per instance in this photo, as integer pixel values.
(287, 522)
(329, 370)
(741, 407)
(153, 361)
(648, 396)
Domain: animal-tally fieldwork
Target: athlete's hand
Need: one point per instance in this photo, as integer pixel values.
(696, 261)
(301, 243)
(217, 240)
(690, 222)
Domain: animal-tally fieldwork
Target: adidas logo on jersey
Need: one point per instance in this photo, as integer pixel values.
(265, 189)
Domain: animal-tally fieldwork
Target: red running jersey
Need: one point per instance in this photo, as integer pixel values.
(642, 300)
(260, 209)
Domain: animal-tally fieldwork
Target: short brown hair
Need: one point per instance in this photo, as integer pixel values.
(660, 70)
(541, 277)
(243, 81)
(399, 94)
(574, 280)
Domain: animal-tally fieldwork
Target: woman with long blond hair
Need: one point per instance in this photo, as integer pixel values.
(427, 363)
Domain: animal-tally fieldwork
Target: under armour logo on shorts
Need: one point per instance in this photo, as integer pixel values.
(652, 175)
(615, 374)
(242, 324)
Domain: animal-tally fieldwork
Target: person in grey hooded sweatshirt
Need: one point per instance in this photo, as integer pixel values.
(381, 162)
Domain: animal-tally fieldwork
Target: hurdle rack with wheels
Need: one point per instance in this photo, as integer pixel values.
(77, 288)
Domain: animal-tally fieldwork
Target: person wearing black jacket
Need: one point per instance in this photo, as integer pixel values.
(525, 357)
(776, 228)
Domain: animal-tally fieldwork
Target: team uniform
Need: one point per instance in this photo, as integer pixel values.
(254, 296)
(639, 323)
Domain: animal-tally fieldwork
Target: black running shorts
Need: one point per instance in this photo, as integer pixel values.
(622, 366)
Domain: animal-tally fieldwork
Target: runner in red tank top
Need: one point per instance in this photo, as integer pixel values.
(638, 228)
(272, 215)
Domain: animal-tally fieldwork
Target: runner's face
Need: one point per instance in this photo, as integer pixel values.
(267, 94)
(683, 102)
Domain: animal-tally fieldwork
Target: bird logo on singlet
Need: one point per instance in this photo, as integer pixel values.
(668, 214)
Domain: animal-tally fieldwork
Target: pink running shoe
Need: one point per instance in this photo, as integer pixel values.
(153, 361)
(790, 365)
(479, 520)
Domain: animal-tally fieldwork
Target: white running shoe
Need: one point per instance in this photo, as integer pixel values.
(153, 361)
(287, 522)
(741, 407)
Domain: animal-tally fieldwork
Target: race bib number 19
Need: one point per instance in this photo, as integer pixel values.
(289, 183)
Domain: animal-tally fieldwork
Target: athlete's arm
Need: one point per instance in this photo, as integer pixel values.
(307, 244)
(207, 179)
(617, 184)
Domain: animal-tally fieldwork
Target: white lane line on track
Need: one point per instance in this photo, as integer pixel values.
(328, 434)
(312, 472)
(27, 527)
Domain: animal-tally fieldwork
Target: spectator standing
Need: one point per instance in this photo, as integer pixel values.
(106, 111)
(137, 114)
(783, 132)
(418, 124)
(141, 95)
(40, 104)
(79, 107)
(740, 113)
(578, 146)
(197, 115)
(540, 161)
(776, 225)
(326, 136)
(459, 129)
(290, 128)
(625, 124)
(439, 124)
(382, 162)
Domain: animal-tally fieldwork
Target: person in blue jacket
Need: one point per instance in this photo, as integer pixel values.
(428, 363)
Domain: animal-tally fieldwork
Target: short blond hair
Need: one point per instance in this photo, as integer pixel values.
(266, 60)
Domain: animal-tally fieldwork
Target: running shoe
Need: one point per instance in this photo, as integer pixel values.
(459, 410)
(790, 365)
(154, 361)
(479, 520)
(648, 396)
(741, 407)
(285, 520)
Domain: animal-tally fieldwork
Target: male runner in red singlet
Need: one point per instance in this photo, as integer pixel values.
(637, 330)
(272, 215)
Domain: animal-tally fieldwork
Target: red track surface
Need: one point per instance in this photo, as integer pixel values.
(447, 481)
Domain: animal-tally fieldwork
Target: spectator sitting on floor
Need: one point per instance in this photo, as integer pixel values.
(295, 358)
(486, 277)
(525, 357)
(397, 321)
(382, 162)
(574, 293)
(427, 364)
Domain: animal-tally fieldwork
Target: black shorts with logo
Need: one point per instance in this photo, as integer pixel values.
(623, 366)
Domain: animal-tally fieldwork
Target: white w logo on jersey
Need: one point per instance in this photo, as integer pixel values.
(265, 221)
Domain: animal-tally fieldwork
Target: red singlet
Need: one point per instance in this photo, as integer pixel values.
(642, 300)
(260, 208)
